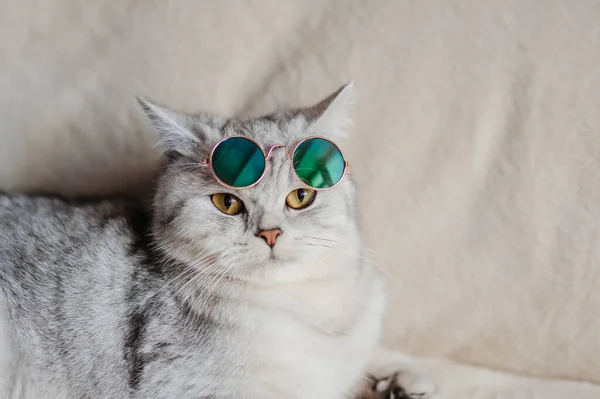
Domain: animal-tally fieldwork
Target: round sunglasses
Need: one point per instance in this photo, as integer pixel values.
(239, 162)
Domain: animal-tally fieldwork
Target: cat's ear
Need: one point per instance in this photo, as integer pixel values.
(177, 131)
(332, 116)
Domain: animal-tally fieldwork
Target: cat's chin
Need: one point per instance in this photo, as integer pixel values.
(273, 263)
(275, 256)
(274, 259)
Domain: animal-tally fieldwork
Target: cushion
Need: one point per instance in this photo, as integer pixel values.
(476, 145)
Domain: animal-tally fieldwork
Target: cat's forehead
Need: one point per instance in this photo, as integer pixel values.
(270, 130)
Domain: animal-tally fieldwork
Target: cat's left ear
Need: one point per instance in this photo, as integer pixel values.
(179, 132)
(332, 116)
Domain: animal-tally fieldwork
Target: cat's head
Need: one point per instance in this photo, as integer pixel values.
(192, 220)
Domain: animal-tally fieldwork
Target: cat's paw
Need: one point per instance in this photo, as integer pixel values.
(402, 385)
(394, 376)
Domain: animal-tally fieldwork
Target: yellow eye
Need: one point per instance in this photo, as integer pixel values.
(227, 203)
(301, 198)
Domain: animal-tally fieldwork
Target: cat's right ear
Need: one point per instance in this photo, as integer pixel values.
(332, 116)
(178, 132)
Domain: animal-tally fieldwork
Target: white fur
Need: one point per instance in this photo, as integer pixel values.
(314, 313)
(227, 315)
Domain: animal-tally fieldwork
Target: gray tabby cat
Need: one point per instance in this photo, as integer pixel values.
(102, 300)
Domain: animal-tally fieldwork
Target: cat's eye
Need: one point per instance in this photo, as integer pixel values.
(300, 198)
(227, 203)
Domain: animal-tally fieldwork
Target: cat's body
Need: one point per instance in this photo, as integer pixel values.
(102, 324)
(100, 300)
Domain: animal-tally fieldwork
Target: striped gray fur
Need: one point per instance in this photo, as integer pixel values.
(100, 299)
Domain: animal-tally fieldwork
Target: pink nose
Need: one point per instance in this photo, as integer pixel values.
(270, 236)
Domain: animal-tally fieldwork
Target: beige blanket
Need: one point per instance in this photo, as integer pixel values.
(476, 147)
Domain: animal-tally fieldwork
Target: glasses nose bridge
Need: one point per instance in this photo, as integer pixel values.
(271, 148)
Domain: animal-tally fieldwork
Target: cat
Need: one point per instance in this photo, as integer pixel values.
(103, 299)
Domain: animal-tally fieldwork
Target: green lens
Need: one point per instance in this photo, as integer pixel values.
(238, 162)
(319, 163)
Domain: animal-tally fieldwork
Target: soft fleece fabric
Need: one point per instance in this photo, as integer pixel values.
(476, 147)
